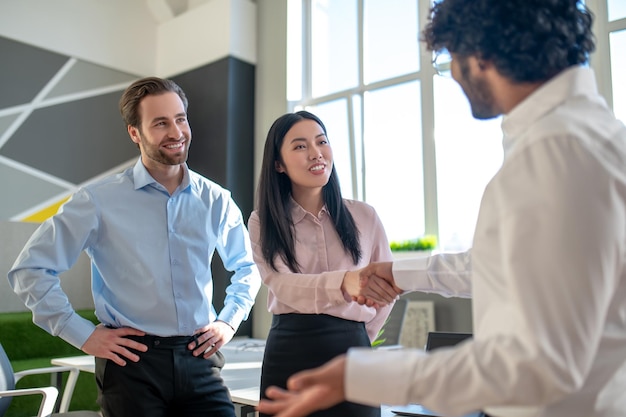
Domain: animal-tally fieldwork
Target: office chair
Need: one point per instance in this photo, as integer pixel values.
(8, 379)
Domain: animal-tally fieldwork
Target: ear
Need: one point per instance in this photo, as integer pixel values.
(279, 167)
(484, 64)
(133, 132)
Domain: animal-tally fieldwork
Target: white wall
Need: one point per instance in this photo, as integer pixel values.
(127, 36)
(207, 33)
(120, 34)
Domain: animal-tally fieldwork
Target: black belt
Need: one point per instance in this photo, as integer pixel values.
(168, 342)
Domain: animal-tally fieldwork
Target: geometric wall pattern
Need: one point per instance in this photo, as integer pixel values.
(60, 127)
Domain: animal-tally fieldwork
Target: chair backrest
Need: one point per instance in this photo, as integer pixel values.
(7, 380)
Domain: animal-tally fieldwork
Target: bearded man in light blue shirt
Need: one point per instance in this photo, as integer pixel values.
(150, 233)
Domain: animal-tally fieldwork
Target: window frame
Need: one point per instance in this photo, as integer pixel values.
(599, 62)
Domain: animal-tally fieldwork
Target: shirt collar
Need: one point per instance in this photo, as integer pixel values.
(142, 177)
(298, 213)
(574, 81)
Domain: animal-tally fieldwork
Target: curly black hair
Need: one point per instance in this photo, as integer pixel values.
(526, 40)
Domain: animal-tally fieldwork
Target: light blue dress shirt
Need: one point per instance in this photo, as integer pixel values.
(150, 257)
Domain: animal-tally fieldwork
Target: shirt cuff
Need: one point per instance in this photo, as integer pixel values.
(404, 271)
(331, 289)
(368, 373)
(77, 331)
(232, 315)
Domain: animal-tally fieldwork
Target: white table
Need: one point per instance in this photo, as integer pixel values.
(241, 373)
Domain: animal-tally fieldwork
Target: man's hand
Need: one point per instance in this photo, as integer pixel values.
(366, 286)
(112, 344)
(211, 338)
(309, 391)
(376, 279)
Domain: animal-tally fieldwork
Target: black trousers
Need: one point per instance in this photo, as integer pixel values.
(303, 341)
(168, 381)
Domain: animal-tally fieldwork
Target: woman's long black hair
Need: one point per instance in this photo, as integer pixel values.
(277, 232)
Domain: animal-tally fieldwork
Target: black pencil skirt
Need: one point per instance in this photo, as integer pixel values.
(302, 341)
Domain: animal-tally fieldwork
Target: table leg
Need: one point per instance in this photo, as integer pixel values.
(57, 381)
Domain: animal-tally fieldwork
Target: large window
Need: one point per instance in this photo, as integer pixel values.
(403, 137)
(617, 42)
(609, 61)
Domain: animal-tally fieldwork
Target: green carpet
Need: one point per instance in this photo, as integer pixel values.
(28, 347)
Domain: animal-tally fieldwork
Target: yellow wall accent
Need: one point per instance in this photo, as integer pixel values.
(43, 214)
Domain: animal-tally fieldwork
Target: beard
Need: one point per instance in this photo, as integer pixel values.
(156, 153)
(478, 93)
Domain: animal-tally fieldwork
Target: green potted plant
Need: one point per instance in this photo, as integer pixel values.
(417, 247)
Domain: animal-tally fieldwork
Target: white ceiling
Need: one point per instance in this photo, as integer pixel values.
(164, 10)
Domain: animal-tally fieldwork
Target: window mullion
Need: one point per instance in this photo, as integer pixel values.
(601, 58)
(356, 181)
(307, 40)
(431, 213)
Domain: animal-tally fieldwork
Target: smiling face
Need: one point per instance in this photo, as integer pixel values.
(164, 134)
(306, 157)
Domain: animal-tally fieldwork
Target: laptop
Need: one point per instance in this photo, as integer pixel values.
(416, 410)
(435, 340)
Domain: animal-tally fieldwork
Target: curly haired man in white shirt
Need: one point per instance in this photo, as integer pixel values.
(547, 269)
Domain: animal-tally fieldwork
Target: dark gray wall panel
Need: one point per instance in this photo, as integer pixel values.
(240, 140)
(31, 190)
(74, 141)
(25, 70)
(207, 92)
(87, 76)
(6, 121)
(221, 115)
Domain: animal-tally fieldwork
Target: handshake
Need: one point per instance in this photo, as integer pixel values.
(373, 285)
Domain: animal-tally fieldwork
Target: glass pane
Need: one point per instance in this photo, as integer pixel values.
(617, 42)
(390, 53)
(334, 41)
(469, 152)
(294, 50)
(334, 115)
(394, 182)
(617, 9)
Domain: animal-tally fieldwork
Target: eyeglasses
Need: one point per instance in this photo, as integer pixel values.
(441, 63)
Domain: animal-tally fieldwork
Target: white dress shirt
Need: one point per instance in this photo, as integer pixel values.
(547, 272)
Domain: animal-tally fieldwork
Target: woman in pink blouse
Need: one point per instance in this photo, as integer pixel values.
(307, 240)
